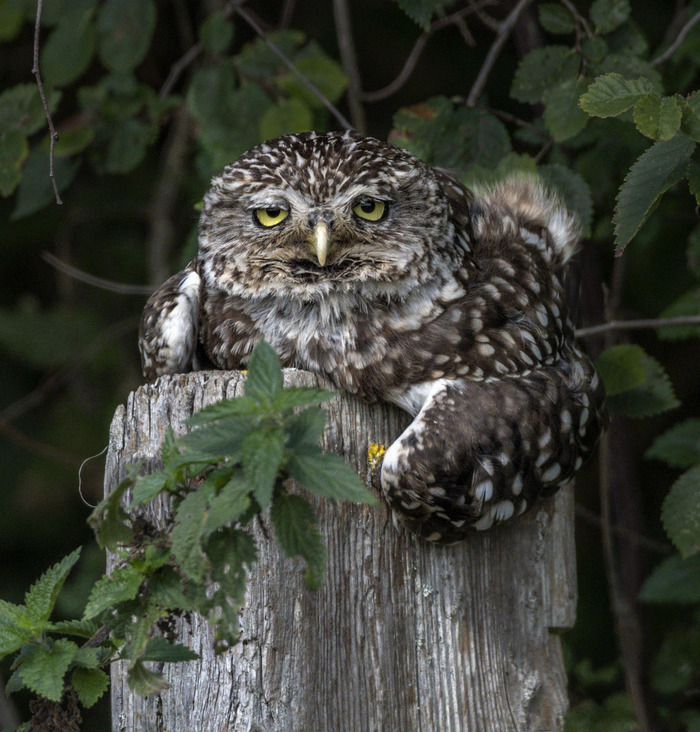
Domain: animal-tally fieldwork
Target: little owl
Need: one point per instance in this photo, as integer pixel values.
(356, 260)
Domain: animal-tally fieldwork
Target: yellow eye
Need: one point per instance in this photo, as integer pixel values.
(370, 209)
(271, 216)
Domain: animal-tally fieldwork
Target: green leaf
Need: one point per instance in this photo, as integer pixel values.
(652, 396)
(216, 33)
(542, 69)
(594, 49)
(262, 452)
(305, 427)
(191, 518)
(69, 48)
(655, 171)
(36, 189)
(82, 628)
(286, 117)
(562, 114)
(327, 475)
(556, 19)
(693, 176)
(299, 396)
(122, 585)
(166, 589)
(690, 123)
(322, 71)
(143, 681)
(679, 446)
(42, 669)
(264, 378)
(607, 15)
(229, 504)
(612, 94)
(16, 628)
(211, 442)
(109, 519)
(687, 304)
(125, 28)
(11, 20)
(657, 117)
(161, 650)
(572, 189)
(676, 663)
(680, 512)
(147, 487)
(41, 596)
(89, 684)
(421, 11)
(675, 580)
(622, 368)
(295, 527)
(13, 152)
(225, 408)
(21, 109)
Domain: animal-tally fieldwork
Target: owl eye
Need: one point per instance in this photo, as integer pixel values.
(370, 209)
(270, 216)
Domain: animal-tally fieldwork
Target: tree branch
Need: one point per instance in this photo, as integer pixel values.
(418, 46)
(348, 58)
(643, 324)
(99, 282)
(504, 30)
(679, 40)
(243, 13)
(53, 135)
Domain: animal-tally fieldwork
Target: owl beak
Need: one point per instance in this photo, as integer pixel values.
(320, 236)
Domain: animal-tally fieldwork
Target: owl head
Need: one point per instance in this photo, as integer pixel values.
(309, 215)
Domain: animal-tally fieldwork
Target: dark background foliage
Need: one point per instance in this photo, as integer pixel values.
(151, 98)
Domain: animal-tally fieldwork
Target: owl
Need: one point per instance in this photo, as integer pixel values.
(357, 260)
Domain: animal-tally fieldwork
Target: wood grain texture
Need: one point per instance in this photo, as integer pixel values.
(403, 636)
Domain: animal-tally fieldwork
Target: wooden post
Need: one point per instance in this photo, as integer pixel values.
(403, 636)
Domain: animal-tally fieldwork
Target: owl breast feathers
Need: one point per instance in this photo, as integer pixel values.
(356, 260)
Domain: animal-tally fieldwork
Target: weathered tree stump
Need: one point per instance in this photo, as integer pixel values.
(403, 636)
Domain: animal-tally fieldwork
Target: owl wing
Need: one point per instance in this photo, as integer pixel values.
(516, 406)
(170, 324)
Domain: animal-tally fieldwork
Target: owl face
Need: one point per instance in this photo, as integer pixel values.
(312, 214)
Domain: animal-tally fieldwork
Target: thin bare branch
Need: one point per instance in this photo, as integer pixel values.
(417, 50)
(41, 449)
(504, 31)
(243, 13)
(642, 324)
(161, 234)
(99, 282)
(348, 58)
(286, 14)
(658, 547)
(579, 18)
(62, 376)
(178, 68)
(53, 135)
(679, 40)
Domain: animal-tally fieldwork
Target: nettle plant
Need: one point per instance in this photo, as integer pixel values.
(236, 462)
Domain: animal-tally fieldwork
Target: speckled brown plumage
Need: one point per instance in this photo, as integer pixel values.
(449, 304)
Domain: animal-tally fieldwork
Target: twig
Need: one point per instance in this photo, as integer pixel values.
(178, 67)
(574, 11)
(161, 232)
(53, 135)
(99, 282)
(47, 452)
(643, 324)
(290, 65)
(348, 58)
(286, 14)
(60, 377)
(504, 30)
(679, 40)
(414, 55)
(658, 547)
